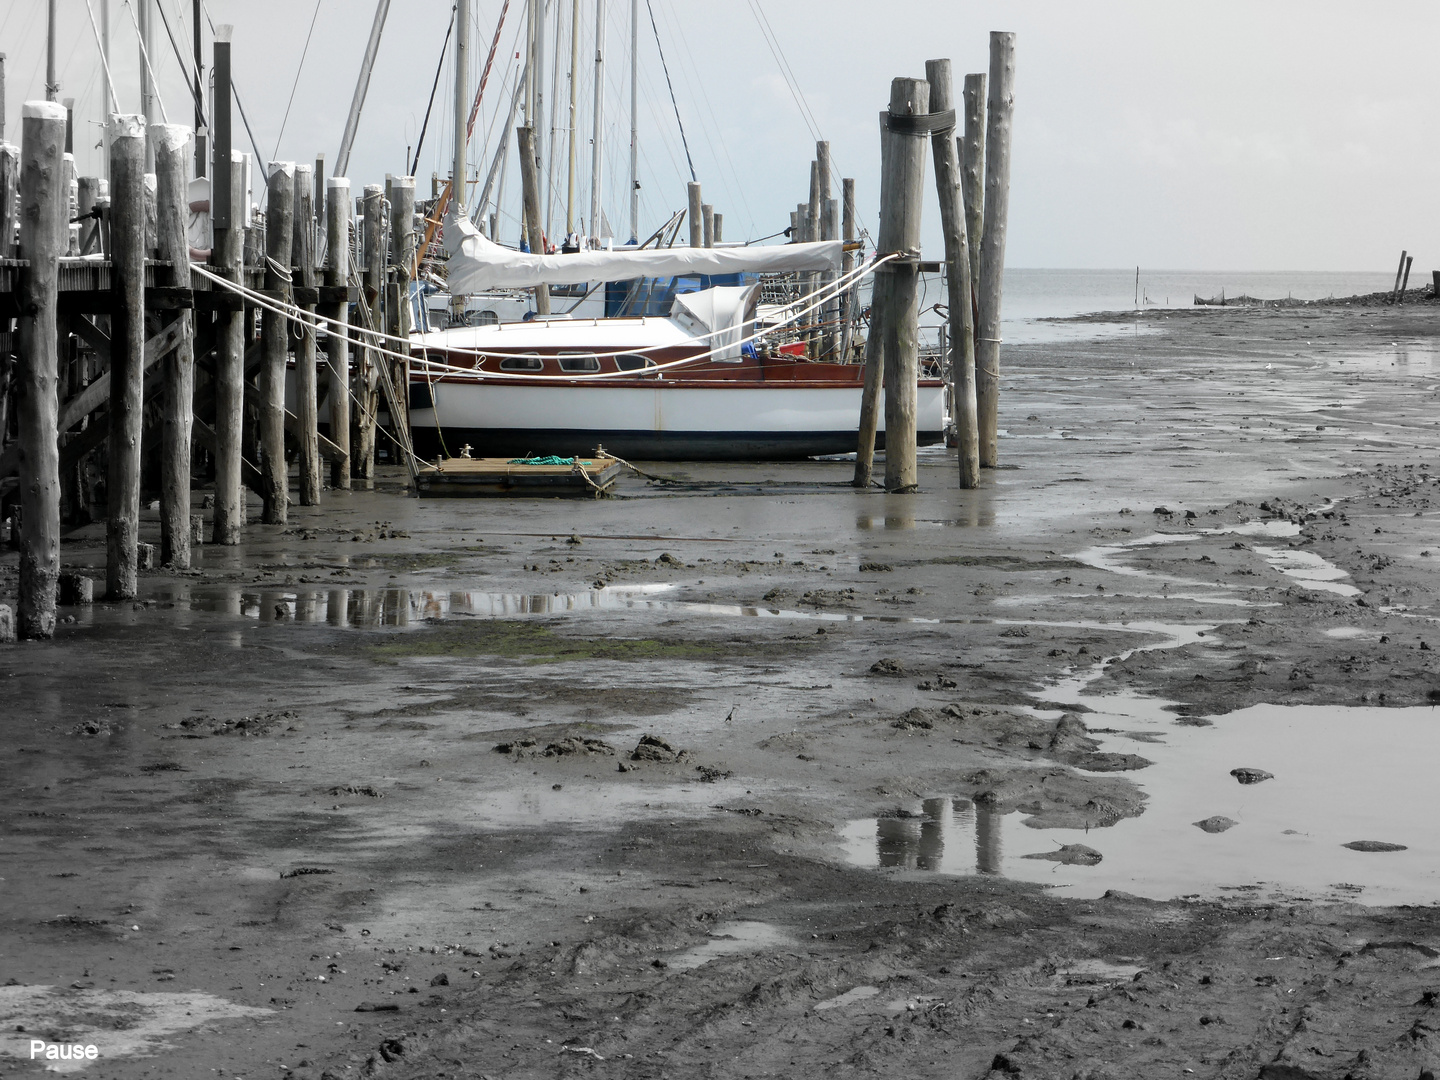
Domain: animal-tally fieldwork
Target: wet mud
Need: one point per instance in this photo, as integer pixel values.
(756, 775)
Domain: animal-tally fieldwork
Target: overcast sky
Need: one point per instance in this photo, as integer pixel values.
(1223, 136)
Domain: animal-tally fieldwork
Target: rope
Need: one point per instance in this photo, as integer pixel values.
(322, 322)
(282, 272)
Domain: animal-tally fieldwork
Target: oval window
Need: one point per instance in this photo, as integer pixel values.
(529, 362)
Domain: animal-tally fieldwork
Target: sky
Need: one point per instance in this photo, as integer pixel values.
(1264, 135)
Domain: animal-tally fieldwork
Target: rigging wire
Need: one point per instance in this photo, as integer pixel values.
(235, 93)
(425, 124)
(680, 123)
(114, 99)
(791, 83)
(145, 55)
(293, 86)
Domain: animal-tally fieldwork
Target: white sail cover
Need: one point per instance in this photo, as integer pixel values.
(477, 264)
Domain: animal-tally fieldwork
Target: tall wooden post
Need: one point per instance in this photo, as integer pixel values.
(530, 188)
(402, 232)
(830, 313)
(812, 279)
(972, 172)
(847, 232)
(227, 259)
(337, 350)
(1001, 107)
(88, 190)
(717, 225)
(961, 334)
(697, 215)
(874, 362)
(707, 225)
(275, 343)
(366, 374)
(307, 404)
(127, 353)
(171, 143)
(900, 204)
(43, 232)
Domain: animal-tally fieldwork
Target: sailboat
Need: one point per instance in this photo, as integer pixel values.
(689, 377)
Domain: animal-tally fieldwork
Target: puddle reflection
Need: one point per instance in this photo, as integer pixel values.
(919, 843)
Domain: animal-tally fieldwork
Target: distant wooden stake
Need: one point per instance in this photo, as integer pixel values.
(957, 259)
(44, 233)
(127, 352)
(172, 212)
(697, 220)
(530, 184)
(307, 406)
(227, 259)
(1405, 281)
(900, 204)
(275, 344)
(337, 350)
(1001, 107)
(1399, 271)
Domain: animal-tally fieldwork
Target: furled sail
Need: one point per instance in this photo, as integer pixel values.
(477, 264)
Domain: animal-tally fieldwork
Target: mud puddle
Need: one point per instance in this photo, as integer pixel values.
(1340, 775)
(731, 939)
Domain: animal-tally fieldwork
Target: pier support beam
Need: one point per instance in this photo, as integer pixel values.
(171, 144)
(697, 215)
(902, 191)
(127, 354)
(1001, 107)
(307, 406)
(402, 246)
(337, 350)
(957, 272)
(366, 373)
(275, 344)
(44, 232)
(227, 259)
(972, 174)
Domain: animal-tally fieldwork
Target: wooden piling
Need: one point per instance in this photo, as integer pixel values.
(961, 334)
(900, 204)
(307, 403)
(366, 372)
(43, 233)
(275, 343)
(972, 172)
(402, 245)
(830, 313)
(811, 280)
(88, 189)
(707, 225)
(1405, 281)
(530, 188)
(127, 354)
(337, 350)
(171, 144)
(1399, 270)
(697, 223)
(1000, 107)
(847, 233)
(874, 364)
(227, 260)
(9, 187)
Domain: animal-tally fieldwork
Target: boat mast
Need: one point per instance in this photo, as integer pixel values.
(147, 77)
(52, 85)
(634, 136)
(462, 104)
(574, 88)
(362, 85)
(537, 121)
(554, 116)
(599, 111)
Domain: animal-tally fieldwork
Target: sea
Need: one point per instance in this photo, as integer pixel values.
(1033, 296)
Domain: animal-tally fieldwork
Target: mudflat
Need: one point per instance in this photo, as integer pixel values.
(1114, 767)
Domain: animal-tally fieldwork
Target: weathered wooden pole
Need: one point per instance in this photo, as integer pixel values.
(43, 232)
(127, 353)
(171, 143)
(707, 225)
(307, 403)
(9, 185)
(1399, 270)
(697, 220)
(900, 232)
(88, 191)
(1405, 281)
(717, 225)
(830, 313)
(227, 259)
(972, 172)
(366, 374)
(847, 232)
(402, 232)
(961, 334)
(812, 279)
(337, 350)
(874, 363)
(1001, 108)
(530, 187)
(275, 343)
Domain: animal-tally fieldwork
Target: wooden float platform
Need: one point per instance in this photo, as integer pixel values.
(590, 477)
